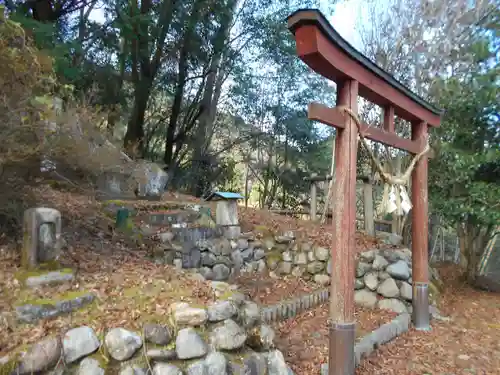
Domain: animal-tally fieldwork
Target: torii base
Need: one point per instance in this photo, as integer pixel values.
(341, 348)
(421, 315)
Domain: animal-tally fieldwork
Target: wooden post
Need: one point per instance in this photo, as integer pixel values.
(341, 320)
(419, 233)
(368, 207)
(314, 203)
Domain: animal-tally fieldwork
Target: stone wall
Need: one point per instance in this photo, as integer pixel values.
(383, 277)
(226, 337)
(383, 280)
(215, 257)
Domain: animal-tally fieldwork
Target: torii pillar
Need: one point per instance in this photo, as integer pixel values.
(324, 51)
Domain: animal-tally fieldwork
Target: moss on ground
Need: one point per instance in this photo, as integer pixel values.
(28, 299)
(23, 275)
(10, 366)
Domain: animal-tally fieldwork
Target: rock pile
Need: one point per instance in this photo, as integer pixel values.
(193, 340)
(383, 280)
(216, 258)
(300, 259)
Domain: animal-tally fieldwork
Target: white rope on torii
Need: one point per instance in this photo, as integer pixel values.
(394, 184)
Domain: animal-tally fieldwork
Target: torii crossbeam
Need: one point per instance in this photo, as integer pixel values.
(327, 53)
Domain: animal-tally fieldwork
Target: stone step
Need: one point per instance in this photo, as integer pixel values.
(46, 309)
(49, 278)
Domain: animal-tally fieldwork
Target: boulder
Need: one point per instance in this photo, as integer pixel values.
(399, 270)
(359, 284)
(388, 288)
(221, 272)
(261, 338)
(216, 364)
(315, 267)
(362, 268)
(166, 369)
(79, 342)
(221, 310)
(276, 364)
(157, 334)
(41, 356)
(365, 298)
(228, 335)
(284, 268)
(189, 344)
(368, 256)
(183, 314)
(406, 291)
(300, 259)
(161, 354)
(287, 256)
(321, 253)
(249, 314)
(89, 366)
(122, 344)
(392, 304)
(321, 279)
(371, 281)
(379, 263)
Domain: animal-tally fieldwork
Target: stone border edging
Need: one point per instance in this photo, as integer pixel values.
(374, 339)
(363, 348)
(290, 308)
(30, 313)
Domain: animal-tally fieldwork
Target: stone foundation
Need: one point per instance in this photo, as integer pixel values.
(383, 277)
(226, 337)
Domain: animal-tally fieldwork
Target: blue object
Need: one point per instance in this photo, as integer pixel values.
(122, 216)
(223, 195)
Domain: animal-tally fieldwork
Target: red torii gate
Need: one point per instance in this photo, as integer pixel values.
(328, 54)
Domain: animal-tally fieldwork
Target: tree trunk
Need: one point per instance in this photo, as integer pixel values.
(42, 10)
(472, 241)
(181, 82)
(247, 176)
(283, 198)
(134, 138)
(145, 67)
(210, 98)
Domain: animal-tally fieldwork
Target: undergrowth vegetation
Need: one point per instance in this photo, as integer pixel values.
(42, 126)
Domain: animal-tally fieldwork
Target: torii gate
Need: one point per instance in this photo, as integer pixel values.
(328, 54)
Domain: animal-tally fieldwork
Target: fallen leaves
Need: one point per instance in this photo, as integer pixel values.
(465, 345)
(304, 339)
(130, 289)
(320, 235)
(265, 290)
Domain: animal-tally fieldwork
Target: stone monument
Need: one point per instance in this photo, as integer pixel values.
(226, 215)
(41, 236)
(115, 185)
(152, 181)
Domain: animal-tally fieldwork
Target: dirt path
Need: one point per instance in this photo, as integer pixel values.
(304, 339)
(468, 344)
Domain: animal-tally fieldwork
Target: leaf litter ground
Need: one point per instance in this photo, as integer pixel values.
(132, 290)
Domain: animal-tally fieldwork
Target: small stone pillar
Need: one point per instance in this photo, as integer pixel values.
(41, 236)
(227, 213)
(152, 181)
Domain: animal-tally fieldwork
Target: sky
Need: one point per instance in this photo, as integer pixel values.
(344, 20)
(346, 14)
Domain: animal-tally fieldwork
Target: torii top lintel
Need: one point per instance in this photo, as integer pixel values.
(327, 53)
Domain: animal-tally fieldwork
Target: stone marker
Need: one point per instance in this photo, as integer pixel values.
(115, 185)
(152, 181)
(227, 212)
(41, 236)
